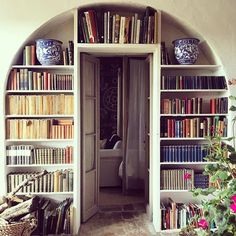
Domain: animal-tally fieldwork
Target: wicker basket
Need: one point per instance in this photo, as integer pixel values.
(24, 228)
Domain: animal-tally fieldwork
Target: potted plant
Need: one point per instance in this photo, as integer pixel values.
(219, 204)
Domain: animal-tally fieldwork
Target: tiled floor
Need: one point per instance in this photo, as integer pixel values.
(114, 196)
(124, 220)
(119, 215)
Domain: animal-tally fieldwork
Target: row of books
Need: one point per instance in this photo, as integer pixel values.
(193, 82)
(201, 180)
(181, 106)
(68, 54)
(29, 55)
(175, 179)
(30, 155)
(55, 181)
(107, 27)
(40, 104)
(194, 106)
(54, 218)
(178, 215)
(39, 129)
(165, 59)
(197, 127)
(219, 105)
(24, 79)
(183, 153)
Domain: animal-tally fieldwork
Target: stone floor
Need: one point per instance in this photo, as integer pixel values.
(119, 220)
(119, 215)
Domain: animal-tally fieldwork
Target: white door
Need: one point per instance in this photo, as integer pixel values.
(90, 68)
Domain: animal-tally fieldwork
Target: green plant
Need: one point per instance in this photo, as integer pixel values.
(219, 204)
(188, 231)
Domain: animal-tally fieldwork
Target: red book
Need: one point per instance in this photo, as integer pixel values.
(169, 128)
(93, 25)
(212, 106)
(33, 54)
(189, 110)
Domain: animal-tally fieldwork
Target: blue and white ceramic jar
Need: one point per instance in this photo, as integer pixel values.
(49, 51)
(186, 50)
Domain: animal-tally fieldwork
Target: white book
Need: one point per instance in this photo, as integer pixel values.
(122, 29)
(138, 32)
(105, 27)
(132, 30)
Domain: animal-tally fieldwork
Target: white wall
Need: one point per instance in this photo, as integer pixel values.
(215, 20)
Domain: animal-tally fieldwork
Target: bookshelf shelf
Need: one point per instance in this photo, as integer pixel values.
(194, 115)
(182, 139)
(46, 193)
(173, 191)
(186, 163)
(117, 48)
(39, 116)
(39, 91)
(39, 140)
(193, 90)
(53, 67)
(42, 165)
(168, 231)
(191, 67)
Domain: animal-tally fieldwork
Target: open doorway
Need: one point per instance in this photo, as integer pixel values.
(115, 131)
(122, 131)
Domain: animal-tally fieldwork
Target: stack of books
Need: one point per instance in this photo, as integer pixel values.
(201, 180)
(24, 79)
(28, 154)
(55, 181)
(29, 55)
(178, 215)
(197, 127)
(40, 104)
(54, 218)
(192, 82)
(174, 179)
(183, 153)
(108, 27)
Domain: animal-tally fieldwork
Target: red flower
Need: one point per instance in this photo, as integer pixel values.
(187, 176)
(233, 207)
(203, 224)
(234, 198)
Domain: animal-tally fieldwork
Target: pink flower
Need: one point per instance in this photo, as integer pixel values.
(233, 207)
(203, 224)
(187, 176)
(234, 198)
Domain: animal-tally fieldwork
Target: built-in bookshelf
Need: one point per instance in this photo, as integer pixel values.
(193, 106)
(44, 109)
(39, 125)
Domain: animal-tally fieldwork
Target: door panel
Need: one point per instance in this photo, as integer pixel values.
(90, 154)
(90, 134)
(90, 123)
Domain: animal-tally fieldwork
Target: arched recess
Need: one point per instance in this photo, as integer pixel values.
(65, 27)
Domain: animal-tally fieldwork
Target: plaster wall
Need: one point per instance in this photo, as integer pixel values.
(215, 20)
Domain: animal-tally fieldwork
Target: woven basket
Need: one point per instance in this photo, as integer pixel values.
(24, 228)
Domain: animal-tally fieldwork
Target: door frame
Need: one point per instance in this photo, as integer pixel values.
(154, 177)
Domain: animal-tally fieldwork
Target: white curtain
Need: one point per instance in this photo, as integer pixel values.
(135, 149)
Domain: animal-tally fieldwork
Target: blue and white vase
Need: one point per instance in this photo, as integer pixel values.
(186, 50)
(49, 51)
